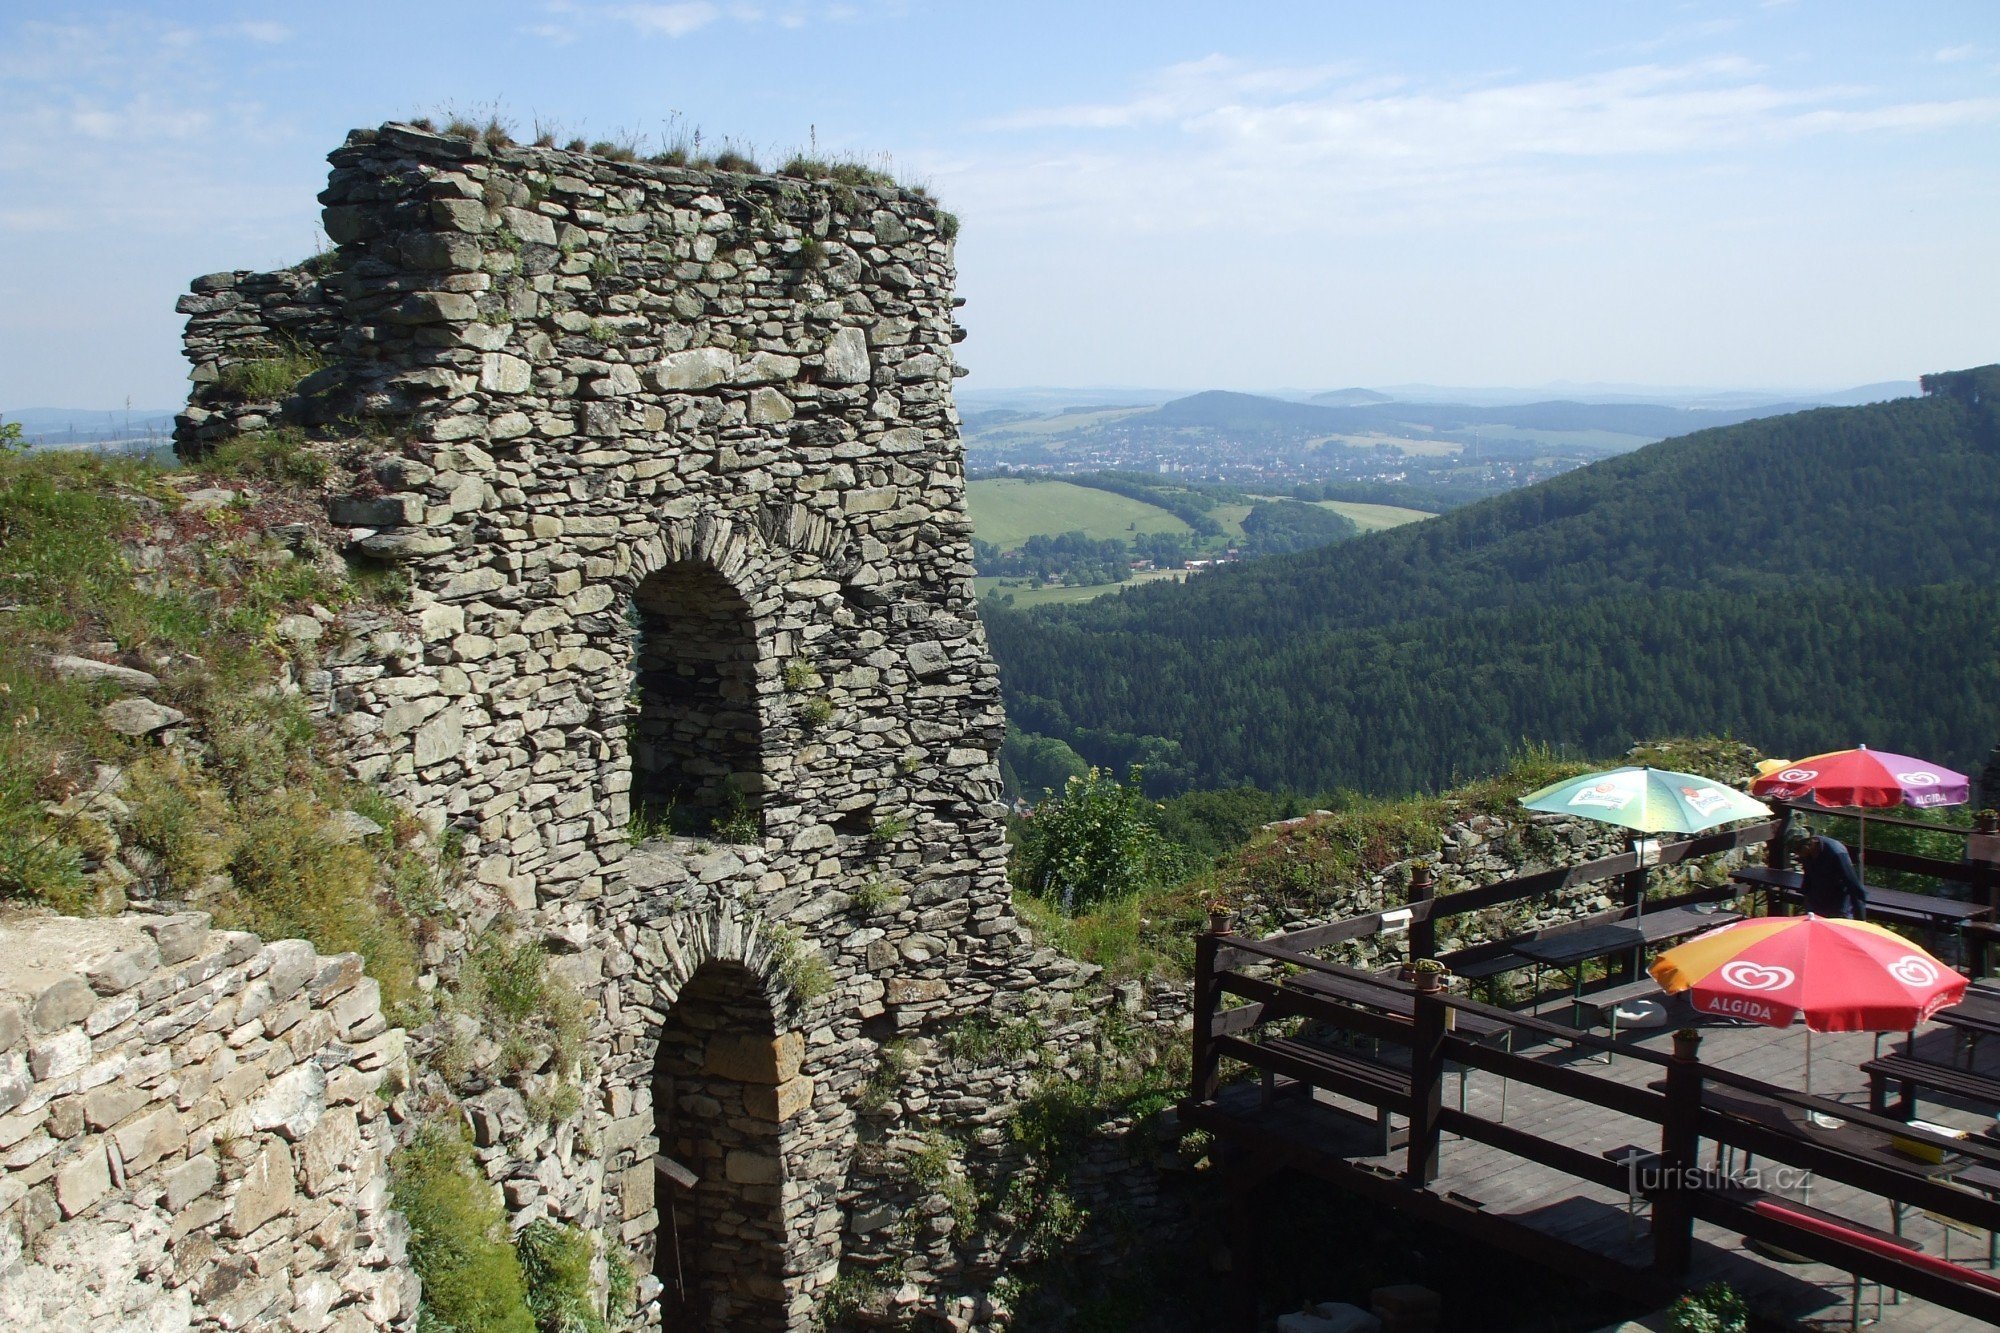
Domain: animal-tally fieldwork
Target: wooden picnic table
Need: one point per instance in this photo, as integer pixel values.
(1975, 1016)
(1569, 950)
(1917, 909)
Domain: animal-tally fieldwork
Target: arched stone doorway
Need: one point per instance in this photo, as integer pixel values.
(696, 739)
(725, 1082)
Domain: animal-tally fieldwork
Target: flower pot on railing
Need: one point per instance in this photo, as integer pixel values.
(1428, 974)
(1687, 1045)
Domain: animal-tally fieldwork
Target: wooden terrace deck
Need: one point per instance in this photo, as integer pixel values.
(1594, 1218)
(1354, 1078)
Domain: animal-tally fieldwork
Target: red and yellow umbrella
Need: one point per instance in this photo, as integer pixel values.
(1836, 975)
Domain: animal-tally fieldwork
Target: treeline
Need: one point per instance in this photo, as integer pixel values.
(1072, 557)
(1188, 504)
(1822, 579)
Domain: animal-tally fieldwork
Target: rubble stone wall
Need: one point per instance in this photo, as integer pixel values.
(190, 1136)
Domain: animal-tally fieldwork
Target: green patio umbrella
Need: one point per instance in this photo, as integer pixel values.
(1647, 800)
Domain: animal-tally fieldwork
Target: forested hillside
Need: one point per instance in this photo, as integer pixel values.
(1806, 581)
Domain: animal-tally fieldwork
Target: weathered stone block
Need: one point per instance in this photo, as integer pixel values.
(744, 1167)
(846, 358)
(267, 1189)
(66, 1002)
(83, 1179)
(750, 1058)
(780, 1103)
(697, 368)
(190, 1180)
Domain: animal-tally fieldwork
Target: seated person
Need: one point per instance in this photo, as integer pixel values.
(1832, 888)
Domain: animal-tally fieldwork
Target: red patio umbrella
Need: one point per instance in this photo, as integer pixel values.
(1864, 779)
(1836, 975)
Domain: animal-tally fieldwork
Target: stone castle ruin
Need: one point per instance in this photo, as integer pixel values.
(692, 663)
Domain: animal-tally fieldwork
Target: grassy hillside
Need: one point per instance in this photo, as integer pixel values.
(1806, 582)
(1008, 510)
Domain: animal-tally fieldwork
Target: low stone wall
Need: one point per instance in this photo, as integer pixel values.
(191, 1135)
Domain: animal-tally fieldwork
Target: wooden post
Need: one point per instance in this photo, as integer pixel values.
(1426, 1077)
(1423, 934)
(1673, 1213)
(1204, 1078)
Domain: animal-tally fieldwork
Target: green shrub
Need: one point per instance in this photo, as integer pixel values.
(816, 713)
(873, 896)
(555, 1261)
(506, 983)
(290, 881)
(804, 973)
(458, 1236)
(1096, 841)
(1716, 1308)
(934, 1167)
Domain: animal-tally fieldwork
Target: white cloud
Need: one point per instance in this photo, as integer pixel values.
(676, 20)
(1289, 148)
(1951, 55)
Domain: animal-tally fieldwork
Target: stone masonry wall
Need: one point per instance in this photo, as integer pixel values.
(190, 1136)
(670, 462)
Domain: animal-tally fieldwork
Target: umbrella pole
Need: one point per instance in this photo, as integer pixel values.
(1818, 1118)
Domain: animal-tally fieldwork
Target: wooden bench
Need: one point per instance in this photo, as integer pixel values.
(1813, 1221)
(1483, 963)
(1913, 1073)
(1603, 1005)
(1349, 1073)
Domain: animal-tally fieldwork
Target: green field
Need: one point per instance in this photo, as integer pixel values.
(1025, 596)
(1057, 425)
(1374, 518)
(1008, 510)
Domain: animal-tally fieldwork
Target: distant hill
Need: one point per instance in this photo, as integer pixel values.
(1221, 410)
(1807, 581)
(1351, 398)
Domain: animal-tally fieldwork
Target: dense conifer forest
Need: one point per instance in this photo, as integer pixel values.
(1805, 582)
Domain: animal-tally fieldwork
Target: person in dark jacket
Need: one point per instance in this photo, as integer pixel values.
(1832, 888)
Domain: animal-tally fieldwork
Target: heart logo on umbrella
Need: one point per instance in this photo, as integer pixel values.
(1914, 971)
(1757, 976)
(1798, 775)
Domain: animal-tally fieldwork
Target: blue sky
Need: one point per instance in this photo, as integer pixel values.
(1254, 196)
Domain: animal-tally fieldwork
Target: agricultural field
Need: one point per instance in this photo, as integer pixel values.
(1008, 510)
(1025, 597)
(1374, 518)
